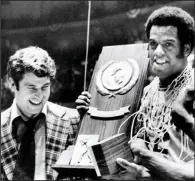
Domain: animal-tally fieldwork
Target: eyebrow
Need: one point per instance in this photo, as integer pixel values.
(32, 85)
(164, 41)
(46, 84)
(169, 39)
(28, 84)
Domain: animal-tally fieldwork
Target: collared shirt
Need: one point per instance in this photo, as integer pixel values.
(40, 170)
(16, 112)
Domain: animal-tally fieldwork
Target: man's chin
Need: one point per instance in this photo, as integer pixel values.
(34, 112)
(156, 72)
(35, 109)
(159, 72)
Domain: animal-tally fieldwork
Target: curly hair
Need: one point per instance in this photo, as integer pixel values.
(31, 59)
(173, 16)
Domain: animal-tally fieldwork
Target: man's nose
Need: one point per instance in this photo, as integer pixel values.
(159, 52)
(39, 93)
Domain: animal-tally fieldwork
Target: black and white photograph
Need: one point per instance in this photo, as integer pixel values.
(97, 90)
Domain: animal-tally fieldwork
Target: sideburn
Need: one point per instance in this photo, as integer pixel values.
(181, 52)
(17, 86)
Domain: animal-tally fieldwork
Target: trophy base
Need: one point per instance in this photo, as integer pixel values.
(76, 171)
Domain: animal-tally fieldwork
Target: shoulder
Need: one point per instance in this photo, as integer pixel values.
(153, 83)
(146, 88)
(5, 116)
(61, 111)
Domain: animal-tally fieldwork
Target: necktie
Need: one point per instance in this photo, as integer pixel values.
(25, 163)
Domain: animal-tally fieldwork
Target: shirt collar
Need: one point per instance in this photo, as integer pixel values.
(16, 112)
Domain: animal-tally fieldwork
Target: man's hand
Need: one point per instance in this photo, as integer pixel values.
(183, 110)
(135, 171)
(82, 103)
(161, 166)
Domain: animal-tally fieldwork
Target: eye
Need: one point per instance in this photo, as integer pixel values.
(153, 44)
(32, 89)
(168, 45)
(44, 87)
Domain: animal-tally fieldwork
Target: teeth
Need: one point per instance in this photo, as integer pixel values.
(36, 103)
(160, 61)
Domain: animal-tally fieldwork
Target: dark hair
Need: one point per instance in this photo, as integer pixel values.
(31, 59)
(173, 16)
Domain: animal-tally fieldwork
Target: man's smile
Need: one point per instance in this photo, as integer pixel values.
(160, 61)
(35, 102)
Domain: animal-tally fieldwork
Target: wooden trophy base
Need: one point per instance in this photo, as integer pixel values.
(68, 167)
(75, 171)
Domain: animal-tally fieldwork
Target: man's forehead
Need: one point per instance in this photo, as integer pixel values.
(166, 27)
(169, 32)
(31, 78)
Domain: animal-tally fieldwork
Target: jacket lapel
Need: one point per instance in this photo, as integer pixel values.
(56, 136)
(9, 150)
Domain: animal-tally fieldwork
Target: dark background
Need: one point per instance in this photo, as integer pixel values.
(60, 27)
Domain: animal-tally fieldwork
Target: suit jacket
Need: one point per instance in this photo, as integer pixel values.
(61, 127)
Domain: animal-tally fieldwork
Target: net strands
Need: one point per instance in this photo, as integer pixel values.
(154, 116)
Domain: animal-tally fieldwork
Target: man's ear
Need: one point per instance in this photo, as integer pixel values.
(12, 84)
(187, 50)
